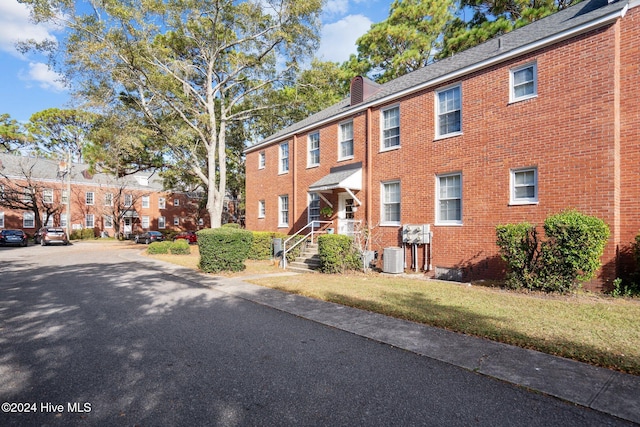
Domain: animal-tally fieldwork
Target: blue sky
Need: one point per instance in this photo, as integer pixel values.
(28, 86)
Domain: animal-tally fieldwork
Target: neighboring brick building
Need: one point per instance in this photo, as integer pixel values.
(528, 124)
(99, 202)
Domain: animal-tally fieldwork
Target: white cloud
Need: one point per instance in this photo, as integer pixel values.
(338, 39)
(16, 25)
(338, 7)
(44, 77)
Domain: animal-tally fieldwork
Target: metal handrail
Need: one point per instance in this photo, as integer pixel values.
(311, 233)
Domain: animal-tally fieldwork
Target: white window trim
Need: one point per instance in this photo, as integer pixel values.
(176, 220)
(145, 222)
(162, 203)
(31, 217)
(262, 160)
(262, 209)
(382, 129)
(1, 219)
(340, 141)
(512, 96)
(86, 221)
(146, 202)
(309, 201)
(512, 187)
(86, 198)
(282, 224)
(437, 112)
(382, 204)
(437, 198)
(47, 196)
(108, 221)
(176, 202)
(162, 223)
(281, 170)
(310, 164)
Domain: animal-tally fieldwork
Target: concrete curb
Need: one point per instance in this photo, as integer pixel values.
(597, 388)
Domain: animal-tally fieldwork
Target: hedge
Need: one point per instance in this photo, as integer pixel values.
(569, 255)
(337, 254)
(223, 249)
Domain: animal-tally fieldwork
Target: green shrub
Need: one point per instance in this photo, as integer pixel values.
(223, 249)
(518, 245)
(261, 245)
(569, 255)
(83, 234)
(156, 248)
(231, 225)
(180, 247)
(337, 254)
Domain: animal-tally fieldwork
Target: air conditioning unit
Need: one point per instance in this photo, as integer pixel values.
(393, 260)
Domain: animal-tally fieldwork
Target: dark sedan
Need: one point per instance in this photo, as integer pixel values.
(13, 237)
(149, 237)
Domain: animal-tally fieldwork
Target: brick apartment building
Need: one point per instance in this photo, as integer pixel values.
(99, 202)
(528, 124)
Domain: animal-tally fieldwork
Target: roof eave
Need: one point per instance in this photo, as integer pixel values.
(572, 32)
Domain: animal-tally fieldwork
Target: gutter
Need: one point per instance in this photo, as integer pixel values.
(461, 72)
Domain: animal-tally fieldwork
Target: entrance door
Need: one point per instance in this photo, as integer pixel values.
(127, 227)
(345, 214)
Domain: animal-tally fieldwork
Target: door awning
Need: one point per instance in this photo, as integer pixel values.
(130, 214)
(348, 177)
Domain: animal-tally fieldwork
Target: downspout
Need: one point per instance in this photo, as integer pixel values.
(294, 170)
(367, 174)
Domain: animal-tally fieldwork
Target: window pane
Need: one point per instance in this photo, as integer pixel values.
(450, 210)
(449, 115)
(528, 192)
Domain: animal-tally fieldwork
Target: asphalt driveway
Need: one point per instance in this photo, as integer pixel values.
(91, 336)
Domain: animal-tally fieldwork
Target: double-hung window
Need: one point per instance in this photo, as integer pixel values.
(47, 195)
(449, 108)
(524, 82)
(1, 219)
(390, 128)
(346, 141)
(89, 221)
(313, 158)
(28, 220)
(284, 157)
(162, 222)
(162, 203)
(262, 209)
(391, 203)
(449, 193)
(524, 186)
(128, 200)
(283, 208)
(262, 160)
(145, 201)
(108, 221)
(314, 207)
(145, 222)
(89, 198)
(108, 199)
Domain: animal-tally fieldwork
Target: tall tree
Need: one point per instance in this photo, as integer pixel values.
(186, 67)
(406, 41)
(12, 135)
(59, 132)
(493, 17)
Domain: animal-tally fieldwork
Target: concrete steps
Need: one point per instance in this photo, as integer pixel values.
(308, 261)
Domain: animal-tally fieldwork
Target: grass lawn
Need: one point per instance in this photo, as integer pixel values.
(590, 328)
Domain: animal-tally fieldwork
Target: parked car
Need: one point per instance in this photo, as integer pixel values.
(49, 235)
(149, 237)
(189, 236)
(13, 237)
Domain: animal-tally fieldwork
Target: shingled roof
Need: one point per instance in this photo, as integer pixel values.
(569, 22)
(15, 167)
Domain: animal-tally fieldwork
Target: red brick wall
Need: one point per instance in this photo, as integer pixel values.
(580, 132)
